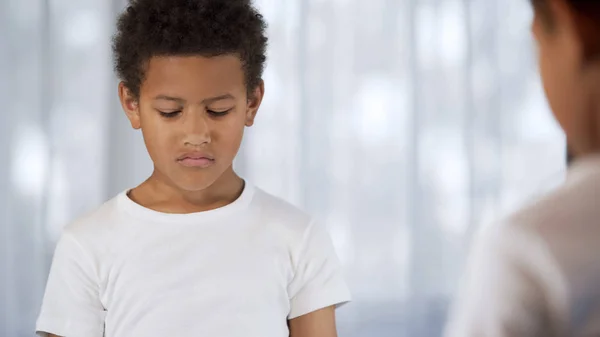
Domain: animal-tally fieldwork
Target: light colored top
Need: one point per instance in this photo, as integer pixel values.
(538, 273)
(237, 271)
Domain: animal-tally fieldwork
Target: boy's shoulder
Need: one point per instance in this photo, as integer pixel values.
(281, 213)
(96, 223)
(289, 225)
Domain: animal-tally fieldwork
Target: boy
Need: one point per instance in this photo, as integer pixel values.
(539, 273)
(194, 250)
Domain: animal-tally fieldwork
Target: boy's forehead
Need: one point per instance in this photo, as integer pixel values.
(194, 77)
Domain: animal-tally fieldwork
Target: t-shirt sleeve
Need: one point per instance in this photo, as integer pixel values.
(318, 280)
(512, 287)
(71, 305)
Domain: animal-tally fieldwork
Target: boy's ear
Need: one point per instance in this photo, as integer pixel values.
(130, 105)
(254, 101)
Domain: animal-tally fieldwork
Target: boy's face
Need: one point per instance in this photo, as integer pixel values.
(566, 78)
(192, 111)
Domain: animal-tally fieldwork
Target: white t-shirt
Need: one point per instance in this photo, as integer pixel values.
(241, 270)
(538, 273)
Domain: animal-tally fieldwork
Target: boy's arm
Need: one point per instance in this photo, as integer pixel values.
(71, 305)
(320, 323)
(318, 286)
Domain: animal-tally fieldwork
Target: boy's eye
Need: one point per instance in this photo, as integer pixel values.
(169, 114)
(218, 113)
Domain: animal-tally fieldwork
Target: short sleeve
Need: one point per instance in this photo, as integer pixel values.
(318, 280)
(71, 305)
(512, 287)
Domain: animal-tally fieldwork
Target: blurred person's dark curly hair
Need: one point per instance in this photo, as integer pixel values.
(208, 28)
(589, 8)
(587, 18)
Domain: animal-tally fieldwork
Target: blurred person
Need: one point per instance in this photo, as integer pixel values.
(194, 250)
(538, 272)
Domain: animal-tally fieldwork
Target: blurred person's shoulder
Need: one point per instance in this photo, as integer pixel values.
(570, 215)
(553, 245)
(538, 269)
(562, 227)
(566, 222)
(556, 239)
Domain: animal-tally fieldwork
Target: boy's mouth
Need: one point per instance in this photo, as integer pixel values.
(196, 159)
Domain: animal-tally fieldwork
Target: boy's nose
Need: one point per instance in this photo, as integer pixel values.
(197, 130)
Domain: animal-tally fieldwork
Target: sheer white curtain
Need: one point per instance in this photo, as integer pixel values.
(56, 91)
(402, 124)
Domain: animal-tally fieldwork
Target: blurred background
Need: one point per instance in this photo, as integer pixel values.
(404, 125)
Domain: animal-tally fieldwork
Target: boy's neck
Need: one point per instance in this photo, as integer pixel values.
(158, 194)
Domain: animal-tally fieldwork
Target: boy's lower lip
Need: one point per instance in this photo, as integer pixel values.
(196, 162)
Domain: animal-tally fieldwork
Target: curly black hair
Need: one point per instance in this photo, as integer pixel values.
(209, 28)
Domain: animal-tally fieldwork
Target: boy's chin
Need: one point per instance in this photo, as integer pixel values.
(198, 185)
(193, 181)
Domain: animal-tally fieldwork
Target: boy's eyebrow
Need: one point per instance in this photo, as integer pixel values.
(169, 98)
(206, 101)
